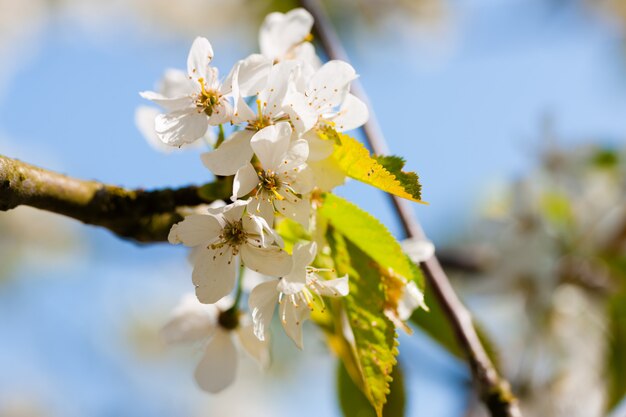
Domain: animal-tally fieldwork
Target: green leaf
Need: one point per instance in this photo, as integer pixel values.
(354, 404)
(356, 162)
(220, 189)
(367, 232)
(409, 180)
(374, 333)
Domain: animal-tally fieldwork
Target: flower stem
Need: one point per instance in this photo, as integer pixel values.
(220, 136)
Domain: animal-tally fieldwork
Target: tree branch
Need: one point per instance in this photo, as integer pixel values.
(139, 215)
(494, 390)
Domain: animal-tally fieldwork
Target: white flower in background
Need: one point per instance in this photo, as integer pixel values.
(220, 236)
(287, 36)
(219, 329)
(297, 294)
(281, 180)
(193, 102)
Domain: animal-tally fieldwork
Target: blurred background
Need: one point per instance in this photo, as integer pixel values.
(512, 112)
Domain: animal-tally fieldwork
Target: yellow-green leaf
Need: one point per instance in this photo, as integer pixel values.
(374, 333)
(354, 404)
(355, 160)
(367, 232)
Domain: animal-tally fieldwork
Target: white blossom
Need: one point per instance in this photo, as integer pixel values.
(218, 329)
(324, 99)
(219, 236)
(297, 294)
(236, 151)
(193, 101)
(287, 36)
(281, 180)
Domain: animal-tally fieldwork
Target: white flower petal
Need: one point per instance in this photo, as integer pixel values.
(254, 226)
(419, 250)
(256, 348)
(301, 114)
(218, 365)
(180, 127)
(169, 103)
(412, 298)
(353, 113)
(263, 208)
(231, 155)
(281, 32)
(330, 84)
(327, 174)
(273, 95)
(333, 287)
(190, 322)
(253, 72)
(245, 181)
(214, 274)
(296, 155)
(271, 143)
(144, 120)
(241, 111)
(195, 229)
(262, 302)
(234, 211)
(175, 83)
(299, 209)
(292, 316)
(292, 283)
(305, 52)
(199, 58)
(271, 261)
(303, 255)
(318, 148)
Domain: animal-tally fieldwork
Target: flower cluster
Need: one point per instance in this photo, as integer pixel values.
(275, 105)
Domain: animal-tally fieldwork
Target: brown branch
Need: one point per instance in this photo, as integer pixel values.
(143, 216)
(494, 390)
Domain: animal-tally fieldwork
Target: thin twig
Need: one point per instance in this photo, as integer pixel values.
(143, 216)
(494, 390)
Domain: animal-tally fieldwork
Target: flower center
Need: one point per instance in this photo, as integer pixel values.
(233, 234)
(269, 181)
(228, 319)
(261, 121)
(207, 99)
